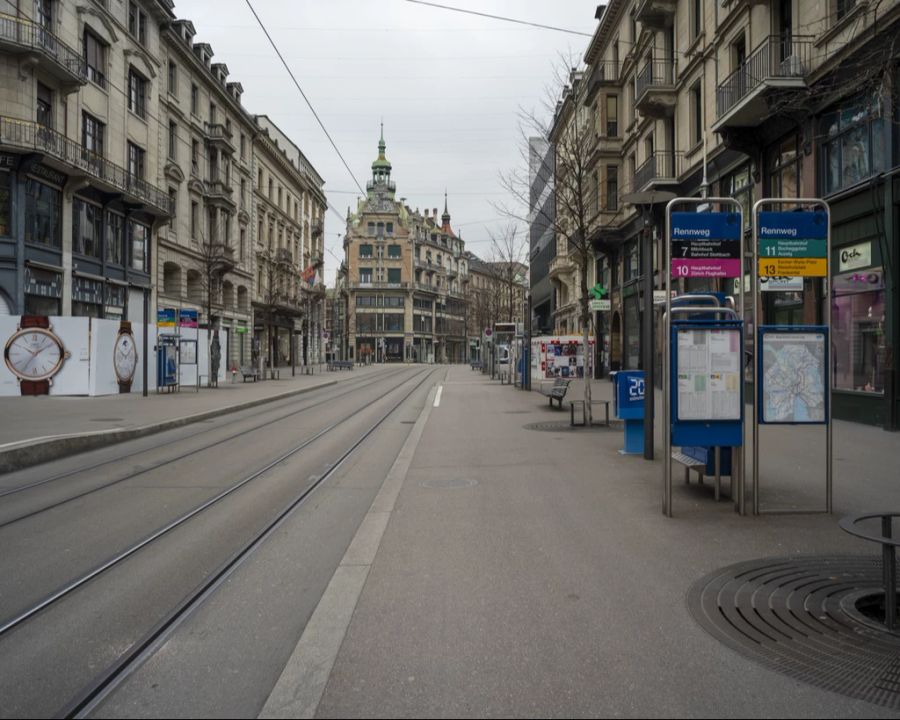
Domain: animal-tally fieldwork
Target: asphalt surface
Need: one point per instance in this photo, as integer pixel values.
(132, 490)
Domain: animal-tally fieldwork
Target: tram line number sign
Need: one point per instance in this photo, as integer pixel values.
(793, 244)
(706, 245)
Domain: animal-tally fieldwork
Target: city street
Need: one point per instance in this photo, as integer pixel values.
(457, 562)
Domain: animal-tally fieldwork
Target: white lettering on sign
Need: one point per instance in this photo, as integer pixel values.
(783, 232)
(691, 232)
(636, 389)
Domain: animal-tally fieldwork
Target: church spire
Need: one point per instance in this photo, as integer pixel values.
(445, 218)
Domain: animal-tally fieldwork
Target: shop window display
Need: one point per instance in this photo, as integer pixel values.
(857, 343)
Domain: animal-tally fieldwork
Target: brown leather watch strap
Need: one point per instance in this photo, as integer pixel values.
(34, 387)
(125, 326)
(38, 321)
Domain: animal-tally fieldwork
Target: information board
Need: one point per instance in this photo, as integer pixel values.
(793, 375)
(709, 374)
(793, 244)
(706, 244)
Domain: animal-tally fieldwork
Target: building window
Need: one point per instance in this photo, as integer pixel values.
(696, 18)
(612, 188)
(243, 145)
(195, 98)
(137, 93)
(393, 275)
(243, 244)
(393, 322)
(371, 229)
(394, 251)
(696, 114)
(44, 13)
(139, 236)
(858, 339)
(739, 185)
(212, 113)
(243, 193)
(95, 58)
(853, 149)
(137, 23)
(365, 251)
(44, 106)
(632, 261)
(115, 239)
(784, 168)
(365, 275)
(87, 229)
(844, 7)
(135, 161)
(612, 116)
(92, 131)
(390, 228)
(195, 208)
(173, 141)
(5, 205)
(173, 78)
(43, 209)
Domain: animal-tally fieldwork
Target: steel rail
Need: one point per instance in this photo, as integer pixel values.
(105, 683)
(85, 578)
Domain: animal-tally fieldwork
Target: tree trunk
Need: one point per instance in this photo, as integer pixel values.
(586, 330)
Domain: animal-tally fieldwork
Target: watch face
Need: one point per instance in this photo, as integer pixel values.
(34, 354)
(125, 357)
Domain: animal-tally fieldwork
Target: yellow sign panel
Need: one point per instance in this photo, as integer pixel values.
(793, 267)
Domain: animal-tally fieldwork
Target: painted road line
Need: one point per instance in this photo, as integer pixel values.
(437, 398)
(299, 690)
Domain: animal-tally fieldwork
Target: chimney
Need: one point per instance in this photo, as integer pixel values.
(426, 213)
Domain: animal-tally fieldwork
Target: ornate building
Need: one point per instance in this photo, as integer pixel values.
(406, 277)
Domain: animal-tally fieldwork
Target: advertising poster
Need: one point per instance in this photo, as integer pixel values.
(709, 374)
(794, 380)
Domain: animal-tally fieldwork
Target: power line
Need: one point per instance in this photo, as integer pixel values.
(309, 104)
(499, 17)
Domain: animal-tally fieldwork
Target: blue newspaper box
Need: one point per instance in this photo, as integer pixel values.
(628, 405)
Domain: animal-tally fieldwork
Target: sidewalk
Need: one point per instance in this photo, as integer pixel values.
(37, 429)
(529, 573)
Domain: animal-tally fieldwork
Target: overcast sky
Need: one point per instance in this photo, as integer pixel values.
(448, 86)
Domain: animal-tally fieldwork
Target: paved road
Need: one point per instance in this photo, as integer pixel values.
(104, 502)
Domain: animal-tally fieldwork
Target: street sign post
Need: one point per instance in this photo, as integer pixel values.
(792, 379)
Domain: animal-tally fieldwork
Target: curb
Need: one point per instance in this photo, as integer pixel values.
(28, 453)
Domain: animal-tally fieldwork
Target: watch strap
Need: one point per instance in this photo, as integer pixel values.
(34, 387)
(124, 387)
(125, 327)
(34, 321)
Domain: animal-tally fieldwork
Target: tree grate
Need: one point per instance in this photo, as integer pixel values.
(798, 616)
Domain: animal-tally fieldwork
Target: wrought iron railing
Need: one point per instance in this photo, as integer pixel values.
(774, 57)
(661, 165)
(27, 34)
(31, 136)
(655, 73)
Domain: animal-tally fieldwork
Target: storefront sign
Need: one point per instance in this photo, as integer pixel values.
(706, 245)
(8, 162)
(856, 282)
(781, 284)
(165, 317)
(855, 257)
(48, 174)
(601, 305)
(793, 244)
(188, 319)
(241, 330)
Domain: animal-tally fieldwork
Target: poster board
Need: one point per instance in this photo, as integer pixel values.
(708, 372)
(793, 374)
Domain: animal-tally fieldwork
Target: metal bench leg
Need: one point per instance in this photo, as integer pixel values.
(718, 473)
(701, 476)
(687, 475)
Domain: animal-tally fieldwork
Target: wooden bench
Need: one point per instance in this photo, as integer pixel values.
(583, 423)
(697, 458)
(250, 372)
(556, 392)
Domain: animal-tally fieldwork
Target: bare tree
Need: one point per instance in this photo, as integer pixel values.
(567, 124)
(216, 260)
(508, 255)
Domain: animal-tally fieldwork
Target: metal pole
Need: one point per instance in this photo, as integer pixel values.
(647, 339)
(889, 568)
(757, 321)
(829, 429)
(667, 370)
(146, 338)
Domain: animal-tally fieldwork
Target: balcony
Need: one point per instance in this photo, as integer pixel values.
(284, 256)
(425, 287)
(777, 64)
(606, 73)
(656, 14)
(217, 191)
(559, 266)
(219, 136)
(654, 93)
(67, 155)
(19, 36)
(661, 168)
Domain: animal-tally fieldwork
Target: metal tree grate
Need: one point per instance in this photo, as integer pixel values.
(797, 616)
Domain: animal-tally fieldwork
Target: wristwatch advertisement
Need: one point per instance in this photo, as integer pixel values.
(125, 357)
(34, 354)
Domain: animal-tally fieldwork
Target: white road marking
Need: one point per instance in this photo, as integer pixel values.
(437, 398)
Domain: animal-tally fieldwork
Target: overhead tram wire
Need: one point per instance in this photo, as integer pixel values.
(498, 17)
(306, 99)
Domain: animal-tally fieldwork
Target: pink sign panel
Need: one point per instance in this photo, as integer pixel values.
(706, 268)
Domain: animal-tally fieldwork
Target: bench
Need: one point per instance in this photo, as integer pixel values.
(250, 372)
(340, 365)
(698, 459)
(556, 392)
(476, 365)
(573, 403)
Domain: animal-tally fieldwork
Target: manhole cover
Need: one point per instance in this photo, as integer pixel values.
(550, 426)
(449, 483)
(106, 419)
(798, 616)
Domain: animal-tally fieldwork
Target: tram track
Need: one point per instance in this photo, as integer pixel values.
(71, 586)
(118, 459)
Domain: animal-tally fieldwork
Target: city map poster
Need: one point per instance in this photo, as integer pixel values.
(709, 374)
(793, 376)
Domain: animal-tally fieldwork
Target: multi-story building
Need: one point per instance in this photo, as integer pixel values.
(406, 277)
(496, 293)
(542, 245)
(289, 206)
(205, 261)
(79, 151)
(772, 98)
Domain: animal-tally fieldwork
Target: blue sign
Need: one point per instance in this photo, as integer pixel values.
(707, 225)
(629, 395)
(165, 317)
(167, 361)
(706, 245)
(793, 225)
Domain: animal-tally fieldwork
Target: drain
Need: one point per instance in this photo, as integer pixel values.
(805, 617)
(449, 483)
(550, 427)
